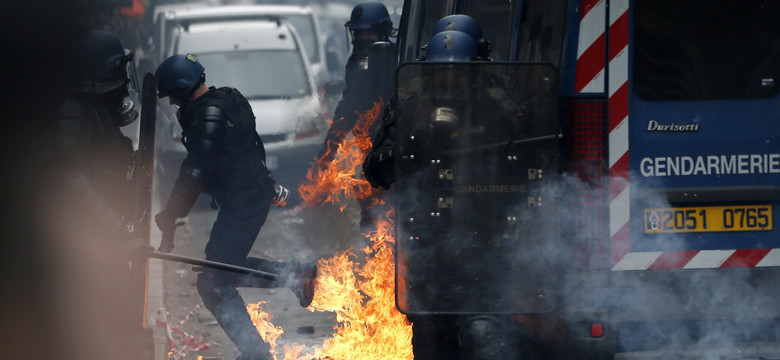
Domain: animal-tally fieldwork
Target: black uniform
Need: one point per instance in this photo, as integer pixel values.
(379, 165)
(368, 78)
(90, 210)
(96, 159)
(225, 159)
(441, 336)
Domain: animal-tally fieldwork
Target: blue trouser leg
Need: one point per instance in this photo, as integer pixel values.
(232, 237)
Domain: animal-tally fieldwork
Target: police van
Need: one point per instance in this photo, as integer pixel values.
(608, 180)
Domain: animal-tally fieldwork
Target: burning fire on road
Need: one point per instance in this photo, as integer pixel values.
(361, 294)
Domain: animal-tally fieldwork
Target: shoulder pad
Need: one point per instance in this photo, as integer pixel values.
(212, 113)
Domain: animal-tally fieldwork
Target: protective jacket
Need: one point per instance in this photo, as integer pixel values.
(96, 160)
(225, 156)
(368, 78)
(379, 165)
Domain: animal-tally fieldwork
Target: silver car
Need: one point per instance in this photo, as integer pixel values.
(301, 17)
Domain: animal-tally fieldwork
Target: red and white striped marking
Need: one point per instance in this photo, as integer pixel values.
(590, 77)
(619, 187)
(591, 47)
(617, 91)
(699, 259)
(181, 343)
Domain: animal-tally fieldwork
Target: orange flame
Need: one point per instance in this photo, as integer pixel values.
(262, 320)
(361, 295)
(334, 181)
(363, 299)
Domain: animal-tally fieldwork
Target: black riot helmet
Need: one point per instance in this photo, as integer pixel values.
(105, 69)
(369, 18)
(178, 77)
(101, 63)
(451, 46)
(465, 24)
(449, 90)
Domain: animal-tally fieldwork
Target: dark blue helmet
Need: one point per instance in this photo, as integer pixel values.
(451, 46)
(179, 76)
(466, 24)
(371, 16)
(101, 62)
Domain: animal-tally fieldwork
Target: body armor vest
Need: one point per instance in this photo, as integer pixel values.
(238, 176)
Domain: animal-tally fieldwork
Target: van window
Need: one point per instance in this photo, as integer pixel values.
(541, 30)
(706, 49)
(422, 16)
(266, 74)
(495, 19)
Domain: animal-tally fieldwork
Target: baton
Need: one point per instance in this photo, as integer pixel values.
(211, 264)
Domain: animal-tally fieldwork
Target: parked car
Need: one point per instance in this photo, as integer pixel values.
(267, 62)
(171, 22)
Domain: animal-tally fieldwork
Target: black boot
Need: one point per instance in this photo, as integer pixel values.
(302, 282)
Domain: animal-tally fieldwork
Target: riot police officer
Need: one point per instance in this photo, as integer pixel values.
(369, 24)
(94, 153)
(435, 336)
(368, 77)
(225, 159)
(465, 24)
(92, 209)
(378, 167)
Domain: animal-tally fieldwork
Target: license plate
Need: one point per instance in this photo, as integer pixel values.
(709, 219)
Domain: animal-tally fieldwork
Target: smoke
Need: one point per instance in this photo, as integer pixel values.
(552, 253)
(707, 312)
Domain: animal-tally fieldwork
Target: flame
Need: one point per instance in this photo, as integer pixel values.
(361, 294)
(334, 181)
(362, 297)
(269, 332)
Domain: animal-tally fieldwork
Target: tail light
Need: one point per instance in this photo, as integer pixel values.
(585, 149)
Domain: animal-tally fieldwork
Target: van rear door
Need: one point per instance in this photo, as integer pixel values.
(703, 137)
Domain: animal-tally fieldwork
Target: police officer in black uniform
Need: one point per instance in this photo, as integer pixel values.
(439, 336)
(379, 165)
(368, 24)
(95, 154)
(368, 78)
(93, 163)
(225, 159)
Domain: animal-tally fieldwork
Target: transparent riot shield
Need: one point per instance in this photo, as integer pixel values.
(477, 154)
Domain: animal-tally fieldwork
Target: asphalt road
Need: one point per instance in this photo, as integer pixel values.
(305, 234)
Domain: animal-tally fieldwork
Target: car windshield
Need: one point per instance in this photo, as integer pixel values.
(262, 74)
(305, 27)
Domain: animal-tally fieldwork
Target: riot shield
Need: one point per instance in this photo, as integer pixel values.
(143, 176)
(477, 152)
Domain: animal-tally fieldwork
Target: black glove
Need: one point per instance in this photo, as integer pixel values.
(165, 221)
(281, 194)
(166, 244)
(167, 224)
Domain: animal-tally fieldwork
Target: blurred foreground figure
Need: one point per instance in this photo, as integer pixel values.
(92, 207)
(225, 159)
